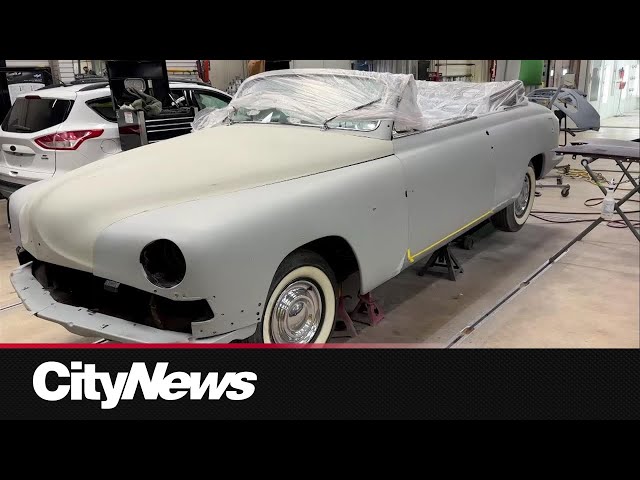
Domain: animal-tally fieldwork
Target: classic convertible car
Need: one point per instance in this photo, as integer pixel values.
(244, 229)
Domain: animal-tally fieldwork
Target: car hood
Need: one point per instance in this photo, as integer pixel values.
(61, 219)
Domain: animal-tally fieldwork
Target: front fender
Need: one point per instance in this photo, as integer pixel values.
(16, 205)
(234, 243)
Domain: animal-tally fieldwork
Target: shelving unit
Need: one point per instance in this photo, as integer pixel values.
(457, 78)
(183, 72)
(455, 70)
(432, 70)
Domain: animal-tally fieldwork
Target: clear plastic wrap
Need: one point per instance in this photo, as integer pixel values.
(356, 99)
(209, 117)
(322, 96)
(444, 102)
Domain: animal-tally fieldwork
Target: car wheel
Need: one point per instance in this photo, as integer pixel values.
(301, 305)
(514, 216)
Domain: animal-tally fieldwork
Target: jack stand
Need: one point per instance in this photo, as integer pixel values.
(343, 316)
(368, 305)
(443, 258)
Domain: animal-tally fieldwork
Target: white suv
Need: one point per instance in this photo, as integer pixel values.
(53, 130)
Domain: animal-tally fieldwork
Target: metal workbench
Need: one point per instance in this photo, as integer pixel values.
(620, 151)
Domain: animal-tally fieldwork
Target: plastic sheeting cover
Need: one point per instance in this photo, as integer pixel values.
(444, 102)
(356, 99)
(345, 98)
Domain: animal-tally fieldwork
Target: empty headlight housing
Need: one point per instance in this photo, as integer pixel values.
(163, 263)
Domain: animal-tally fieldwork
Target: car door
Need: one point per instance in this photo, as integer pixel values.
(450, 179)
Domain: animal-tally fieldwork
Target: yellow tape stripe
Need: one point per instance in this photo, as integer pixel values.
(412, 257)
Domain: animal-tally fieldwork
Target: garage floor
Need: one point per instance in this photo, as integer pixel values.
(589, 298)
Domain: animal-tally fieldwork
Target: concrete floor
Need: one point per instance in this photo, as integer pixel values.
(589, 298)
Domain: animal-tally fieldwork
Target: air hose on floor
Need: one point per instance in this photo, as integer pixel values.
(554, 216)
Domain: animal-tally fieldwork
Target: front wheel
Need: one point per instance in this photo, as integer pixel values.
(514, 216)
(301, 304)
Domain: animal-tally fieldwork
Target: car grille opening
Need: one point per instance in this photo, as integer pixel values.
(82, 289)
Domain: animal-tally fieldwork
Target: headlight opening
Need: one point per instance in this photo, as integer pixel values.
(163, 263)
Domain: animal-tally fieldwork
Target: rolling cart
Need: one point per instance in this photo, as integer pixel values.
(142, 99)
(566, 103)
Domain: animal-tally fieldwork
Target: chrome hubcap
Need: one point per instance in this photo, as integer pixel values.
(522, 202)
(297, 313)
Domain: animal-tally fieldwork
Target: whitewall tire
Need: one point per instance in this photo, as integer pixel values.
(301, 305)
(515, 215)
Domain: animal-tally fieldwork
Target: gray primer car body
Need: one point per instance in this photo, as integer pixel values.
(392, 211)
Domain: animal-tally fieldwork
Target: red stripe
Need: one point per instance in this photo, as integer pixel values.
(211, 345)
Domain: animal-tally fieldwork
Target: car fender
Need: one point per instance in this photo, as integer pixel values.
(234, 243)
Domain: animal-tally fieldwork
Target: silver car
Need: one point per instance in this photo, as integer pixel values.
(245, 229)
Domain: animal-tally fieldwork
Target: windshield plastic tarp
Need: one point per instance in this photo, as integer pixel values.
(314, 96)
(336, 97)
(443, 102)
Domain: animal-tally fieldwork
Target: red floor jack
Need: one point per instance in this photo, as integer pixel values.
(366, 305)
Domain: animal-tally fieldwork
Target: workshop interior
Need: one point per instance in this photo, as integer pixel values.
(437, 203)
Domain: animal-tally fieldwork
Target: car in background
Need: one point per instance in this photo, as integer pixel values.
(56, 129)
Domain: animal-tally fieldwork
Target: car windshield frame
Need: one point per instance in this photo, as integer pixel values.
(357, 125)
(286, 97)
(351, 100)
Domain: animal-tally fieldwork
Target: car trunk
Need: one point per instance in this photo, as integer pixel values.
(30, 118)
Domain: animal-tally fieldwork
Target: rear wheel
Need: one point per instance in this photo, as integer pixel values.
(301, 304)
(514, 216)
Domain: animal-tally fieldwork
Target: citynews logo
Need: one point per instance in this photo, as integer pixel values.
(83, 379)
